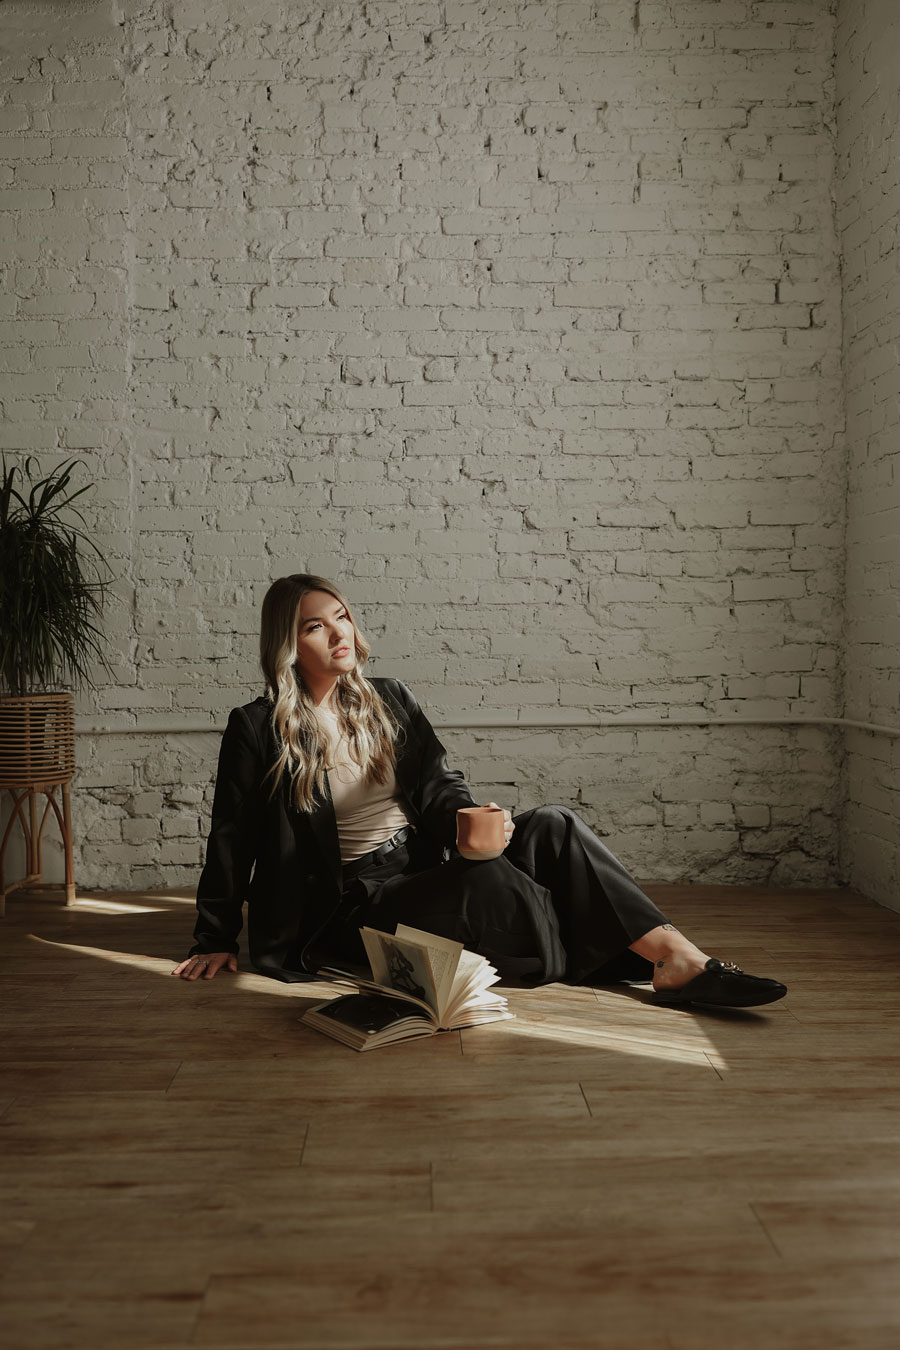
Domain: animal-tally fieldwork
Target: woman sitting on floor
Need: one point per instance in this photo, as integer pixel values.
(335, 807)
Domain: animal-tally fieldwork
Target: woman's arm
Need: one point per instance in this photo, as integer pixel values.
(232, 844)
(442, 790)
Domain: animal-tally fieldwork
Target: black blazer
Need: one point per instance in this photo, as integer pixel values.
(286, 863)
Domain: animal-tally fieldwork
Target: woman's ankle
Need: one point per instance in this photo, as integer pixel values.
(675, 958)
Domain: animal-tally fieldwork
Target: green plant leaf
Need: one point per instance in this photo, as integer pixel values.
(53, 582)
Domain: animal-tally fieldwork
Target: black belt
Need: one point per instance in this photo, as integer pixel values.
(378, 856)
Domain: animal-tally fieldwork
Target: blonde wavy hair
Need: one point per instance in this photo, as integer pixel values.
(370, 726)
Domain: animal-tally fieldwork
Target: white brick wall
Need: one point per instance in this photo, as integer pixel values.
(868, 209)
(522, 320)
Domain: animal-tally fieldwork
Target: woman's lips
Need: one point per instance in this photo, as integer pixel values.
(341, 651)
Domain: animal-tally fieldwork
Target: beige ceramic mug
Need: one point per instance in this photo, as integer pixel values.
(480, 832)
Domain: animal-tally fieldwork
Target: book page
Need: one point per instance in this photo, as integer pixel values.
(363, 1021)
(369, 1013)
(444, 955)
(435, 971)
(402, 966)
(474, 978)
(371, 987)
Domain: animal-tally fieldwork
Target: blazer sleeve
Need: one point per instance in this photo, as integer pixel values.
(441, 790)
(231, 848)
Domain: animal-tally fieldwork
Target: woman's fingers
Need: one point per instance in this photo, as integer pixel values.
(206, 965)
(508, 825)
(227, 961)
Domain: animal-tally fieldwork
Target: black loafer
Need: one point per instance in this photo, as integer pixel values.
(722, 984)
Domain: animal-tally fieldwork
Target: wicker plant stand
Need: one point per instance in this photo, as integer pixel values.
(37, 758)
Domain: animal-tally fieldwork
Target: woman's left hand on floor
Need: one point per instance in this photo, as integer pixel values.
(206, 966)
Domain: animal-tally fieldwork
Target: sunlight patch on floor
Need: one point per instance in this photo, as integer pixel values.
(692, 1047)
(157, 965)
(689, 1044)
(112, 907)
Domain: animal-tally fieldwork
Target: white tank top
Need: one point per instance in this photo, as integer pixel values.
(367, 813)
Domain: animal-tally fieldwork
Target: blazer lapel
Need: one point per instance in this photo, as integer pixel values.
(323, 823)
(406, 769)
(407, 779)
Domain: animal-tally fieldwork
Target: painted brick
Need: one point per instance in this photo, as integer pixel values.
(549, 403)
(868, 48)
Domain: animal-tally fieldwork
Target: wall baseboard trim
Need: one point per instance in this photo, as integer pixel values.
(477, 721)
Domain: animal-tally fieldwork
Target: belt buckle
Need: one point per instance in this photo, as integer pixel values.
(385, 852)
(387, 849)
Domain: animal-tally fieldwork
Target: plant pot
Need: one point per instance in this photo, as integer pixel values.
(37, 740)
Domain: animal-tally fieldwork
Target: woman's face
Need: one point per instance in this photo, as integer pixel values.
(326, 647)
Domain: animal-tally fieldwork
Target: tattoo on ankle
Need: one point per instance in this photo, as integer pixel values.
(660, 963)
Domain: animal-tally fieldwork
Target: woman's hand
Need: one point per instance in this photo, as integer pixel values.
(207, 964)
(508, 825)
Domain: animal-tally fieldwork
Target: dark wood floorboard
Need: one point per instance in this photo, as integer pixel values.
(185, 1165)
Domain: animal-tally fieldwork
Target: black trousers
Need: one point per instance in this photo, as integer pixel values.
(557, 904)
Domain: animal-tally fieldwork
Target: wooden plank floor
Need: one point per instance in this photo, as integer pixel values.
(184, 1165)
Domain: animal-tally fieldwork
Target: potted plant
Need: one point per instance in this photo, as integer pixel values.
(53, 579)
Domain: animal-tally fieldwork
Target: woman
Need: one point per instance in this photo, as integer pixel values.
(335, 807)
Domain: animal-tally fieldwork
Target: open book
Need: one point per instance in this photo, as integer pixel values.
(420, 984)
